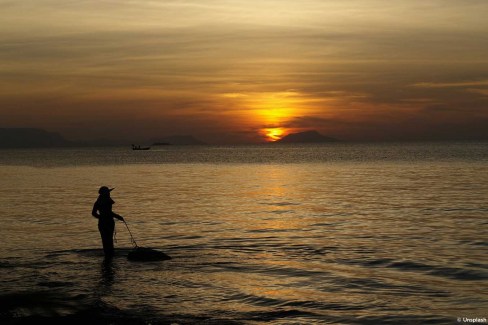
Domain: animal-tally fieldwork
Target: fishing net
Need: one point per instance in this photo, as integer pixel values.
(144, 253)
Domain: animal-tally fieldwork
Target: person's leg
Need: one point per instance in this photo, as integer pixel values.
(107, 233)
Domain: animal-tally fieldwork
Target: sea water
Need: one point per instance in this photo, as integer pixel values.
(338, 233)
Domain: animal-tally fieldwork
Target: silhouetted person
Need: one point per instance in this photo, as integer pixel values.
(102, 210)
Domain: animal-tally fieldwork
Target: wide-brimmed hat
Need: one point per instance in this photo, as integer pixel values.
(105, 190)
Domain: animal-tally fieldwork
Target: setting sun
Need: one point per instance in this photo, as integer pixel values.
(273, 134)
(269, 112)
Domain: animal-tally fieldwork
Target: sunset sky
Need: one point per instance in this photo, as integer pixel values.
(246, 71)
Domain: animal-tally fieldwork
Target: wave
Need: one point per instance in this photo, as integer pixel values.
(465, 274)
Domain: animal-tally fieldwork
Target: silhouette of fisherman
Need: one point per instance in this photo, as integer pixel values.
(102, 210)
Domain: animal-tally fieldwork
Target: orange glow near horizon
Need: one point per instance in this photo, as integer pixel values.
(273, 134)
(274, 109)
(271, 110)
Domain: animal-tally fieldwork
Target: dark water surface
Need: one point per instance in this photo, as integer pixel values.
(343, 233)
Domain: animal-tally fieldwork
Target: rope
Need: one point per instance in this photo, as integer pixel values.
(132, 240)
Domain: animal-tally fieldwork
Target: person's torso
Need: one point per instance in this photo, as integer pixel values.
(104, 207)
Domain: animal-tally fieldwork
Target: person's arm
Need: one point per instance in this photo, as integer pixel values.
(116, 216)
(95, 211)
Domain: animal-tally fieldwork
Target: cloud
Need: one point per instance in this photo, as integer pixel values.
(483, 92)
(306, 122)
(458, 84)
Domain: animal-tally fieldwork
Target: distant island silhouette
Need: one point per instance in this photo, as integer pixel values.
(39, 138)
(178, 140)
(306, 137)
(31, 138)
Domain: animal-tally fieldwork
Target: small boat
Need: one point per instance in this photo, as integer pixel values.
(140, 148)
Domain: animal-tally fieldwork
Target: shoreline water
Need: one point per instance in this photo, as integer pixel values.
(316, 236)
